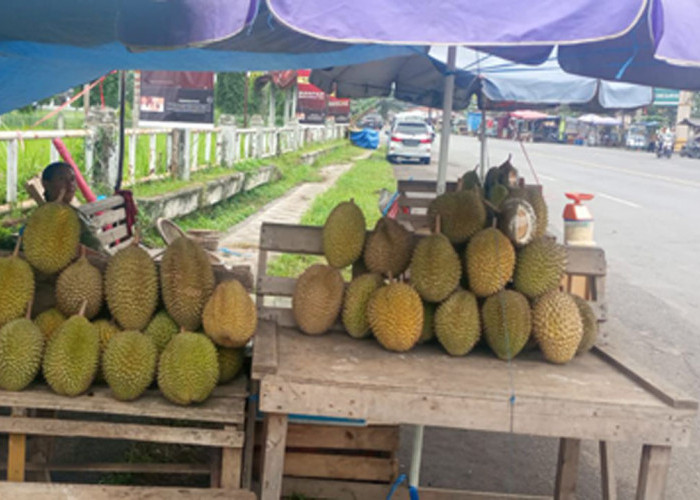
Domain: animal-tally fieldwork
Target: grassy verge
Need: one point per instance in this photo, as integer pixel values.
(362, 183)
(222, 216)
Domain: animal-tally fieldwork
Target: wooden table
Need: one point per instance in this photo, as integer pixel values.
(599, 396)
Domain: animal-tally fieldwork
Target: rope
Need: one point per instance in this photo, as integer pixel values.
(532, 168)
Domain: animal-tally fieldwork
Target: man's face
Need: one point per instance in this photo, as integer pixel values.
(64, 181)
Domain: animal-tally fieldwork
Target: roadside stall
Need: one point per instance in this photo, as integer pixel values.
(342, 382)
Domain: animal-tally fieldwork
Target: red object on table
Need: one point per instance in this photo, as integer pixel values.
(576, 210)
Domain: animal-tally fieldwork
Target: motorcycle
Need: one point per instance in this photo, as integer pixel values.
(664, 148)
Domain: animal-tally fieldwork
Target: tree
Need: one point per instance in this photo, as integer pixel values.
(229, 92)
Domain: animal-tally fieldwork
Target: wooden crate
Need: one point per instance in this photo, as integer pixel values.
(334, 375)
(217, 424)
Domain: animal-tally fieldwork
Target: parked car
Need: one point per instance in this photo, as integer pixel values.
(410, 141)
(691, 149)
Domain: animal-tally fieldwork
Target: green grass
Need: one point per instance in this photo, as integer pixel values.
(361, 183)
(224, 215)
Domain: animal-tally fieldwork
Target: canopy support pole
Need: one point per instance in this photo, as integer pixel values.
(482, 138)
(122, 112)
(446, 119)
(416, 457)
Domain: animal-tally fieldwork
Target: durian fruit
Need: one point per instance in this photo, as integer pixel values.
(517, 220)
(49, 321)
(498, 195)
(428, 332)
(344, 234)
(187, 282)
(161, 330)
(129, 364)
(317, 298)
(539, 267)
(357, 296)
(21, 348)
(79, 282)
(457, 325)
(72, 357)
(230, 362)
(131, 287)
(462, 214)
(16, 286)
(535, 198)
(230, 317)
(507, 323)
(470, 180)
(435, 267)
(395, 314)
(557, 326)
(590, 325)
(490, 259)
(188, 369)
(388, 248)
(51, 237)
(105, 331)
(359, 268)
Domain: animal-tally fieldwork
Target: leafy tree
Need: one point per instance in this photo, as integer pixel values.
(229, 92)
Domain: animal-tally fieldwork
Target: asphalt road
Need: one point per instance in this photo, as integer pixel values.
(644, 211)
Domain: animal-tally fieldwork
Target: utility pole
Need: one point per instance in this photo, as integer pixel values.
(685, 107)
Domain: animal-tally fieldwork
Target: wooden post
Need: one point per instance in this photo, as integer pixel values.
(275, 435)
(567, 469)
(231, 466)
(11, 176)
(607, 471)
(652, 472)
(16, 451)
(152, 154)
(133, 140)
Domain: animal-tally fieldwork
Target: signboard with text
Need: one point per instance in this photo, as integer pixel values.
(339, 109)
(666, 97)
(183, 99)
(311, 102)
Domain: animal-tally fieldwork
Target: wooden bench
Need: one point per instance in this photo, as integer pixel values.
(334, 375)
(217, 425)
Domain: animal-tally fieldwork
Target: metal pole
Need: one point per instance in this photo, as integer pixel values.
(446, 119)
(414, 472)
(120, 165)
(482, 136)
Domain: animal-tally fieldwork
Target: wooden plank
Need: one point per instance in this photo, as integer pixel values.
(419, 186)
(231, 463)
(375, 438)
(643, 376)
(63, 491)
(653, 470)
(112, 235)
(137, 468)
(323, 465)
(275, 285)
(291, 238)
(102, 205)
(353, 490)
(585, 260)
(112, 430)
(16, 449)
(108, 217)
(284, 318)
(265, 349)
(275, 433)
(226, 405)
(412, 202)
(607, 471)
(567, 469)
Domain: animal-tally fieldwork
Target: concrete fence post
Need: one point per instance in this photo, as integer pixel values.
(102, 125)
(227, 136)
(11, 174)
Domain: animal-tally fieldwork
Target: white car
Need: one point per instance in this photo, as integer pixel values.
(410, 141)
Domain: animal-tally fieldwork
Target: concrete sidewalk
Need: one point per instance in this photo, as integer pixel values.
(240, 245)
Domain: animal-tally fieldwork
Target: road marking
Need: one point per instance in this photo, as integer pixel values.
(619, 200)
(666, 178)
(546, 177)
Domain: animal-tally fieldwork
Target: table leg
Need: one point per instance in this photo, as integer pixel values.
(16, 451)
(567, 469)
(231, 459)
(275, 439)
(607, 471)
(652, 472)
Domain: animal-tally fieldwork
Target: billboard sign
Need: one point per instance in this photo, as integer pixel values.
(311, 102)
(181, 99)
(666, 97)
(339, 109)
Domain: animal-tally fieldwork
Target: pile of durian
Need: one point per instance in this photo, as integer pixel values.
(136, 326)
(487, 272)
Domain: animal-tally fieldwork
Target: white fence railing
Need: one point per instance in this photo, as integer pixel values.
(152, 159)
